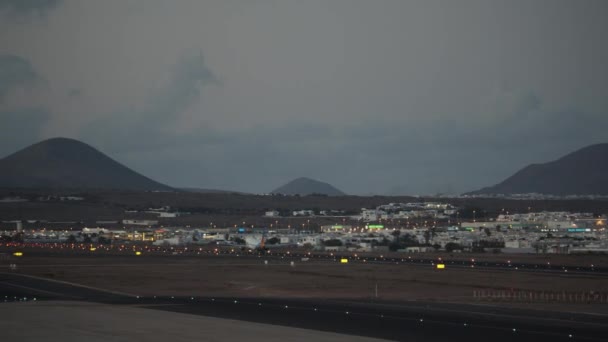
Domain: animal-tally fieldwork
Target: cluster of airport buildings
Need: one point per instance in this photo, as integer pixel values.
(536, 196)
(374, 230)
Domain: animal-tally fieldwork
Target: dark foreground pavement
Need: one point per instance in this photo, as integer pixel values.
(412, 321)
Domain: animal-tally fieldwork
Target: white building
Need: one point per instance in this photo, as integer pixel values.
(303, 213)
(165, 214)
(140, 222)
(97, 231)
(560, 224)
(370, 214)
(313, 240)
(272, 213)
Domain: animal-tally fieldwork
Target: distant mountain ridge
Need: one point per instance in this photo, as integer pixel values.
(69, 163)
(307, 186)
(583, 172)
(210, 191)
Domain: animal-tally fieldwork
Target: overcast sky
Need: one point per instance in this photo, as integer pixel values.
(383, 97)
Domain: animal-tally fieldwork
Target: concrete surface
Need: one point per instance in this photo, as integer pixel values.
(91, 322)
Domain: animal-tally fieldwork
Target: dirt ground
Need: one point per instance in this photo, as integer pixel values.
(250, 277)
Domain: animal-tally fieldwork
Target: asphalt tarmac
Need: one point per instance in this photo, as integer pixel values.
(413, 321)
(45, 250)
(74, 321)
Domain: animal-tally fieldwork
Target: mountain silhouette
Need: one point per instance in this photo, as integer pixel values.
(71, 164)
(306, 186)
(584, 172)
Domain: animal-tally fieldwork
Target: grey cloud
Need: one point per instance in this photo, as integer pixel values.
(161, 110)
(422, 159)
(452, 156)
(27, 7)
(75, 92)
(529, 124)
(529, 102)
(425, 158)
(420, 97)
(20, 125)
(20, 128)
(16, 72)
(188, 78)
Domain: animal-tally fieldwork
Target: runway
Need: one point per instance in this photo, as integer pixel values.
(416, 261)
(454, 262)
(424, 321)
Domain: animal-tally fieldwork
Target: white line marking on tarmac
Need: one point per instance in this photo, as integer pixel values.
(39, 291)
(517, 315)
(72, 284)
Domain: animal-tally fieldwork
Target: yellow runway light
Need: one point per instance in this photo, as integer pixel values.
(138, 253)
(440, 266)
(344, 261)
(18, 254)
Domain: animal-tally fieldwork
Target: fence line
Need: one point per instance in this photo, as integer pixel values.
(529, 296)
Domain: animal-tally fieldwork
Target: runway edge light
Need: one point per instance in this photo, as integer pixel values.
(344, 261)
(440, 266)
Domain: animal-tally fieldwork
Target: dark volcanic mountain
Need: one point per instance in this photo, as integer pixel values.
(584, 172)
(306, 186)
(68, 163)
